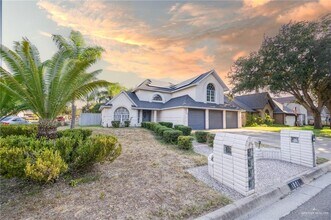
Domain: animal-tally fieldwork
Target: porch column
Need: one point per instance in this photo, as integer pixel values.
(239, 119)
(154, 116)
(207, 119)
(141, 116)
(224, 119)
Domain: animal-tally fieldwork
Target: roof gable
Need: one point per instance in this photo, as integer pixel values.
(155, 85)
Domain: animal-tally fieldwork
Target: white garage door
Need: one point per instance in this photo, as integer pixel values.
(290, 120)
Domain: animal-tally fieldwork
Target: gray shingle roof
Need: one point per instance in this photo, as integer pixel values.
(281, 109)
(156, 85)
(254, 101)
(282, 100)
(238, 104)
(181, 101)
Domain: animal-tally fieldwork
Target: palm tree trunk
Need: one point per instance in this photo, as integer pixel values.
(47, 129)
(73, 115)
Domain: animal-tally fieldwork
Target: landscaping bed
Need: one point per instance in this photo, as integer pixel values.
(147, 181)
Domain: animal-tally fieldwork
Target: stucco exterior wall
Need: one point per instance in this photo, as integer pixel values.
(300, 110)
(191, 91)
(201, 90)
(269, 108)
(107, 114)
(176, 116)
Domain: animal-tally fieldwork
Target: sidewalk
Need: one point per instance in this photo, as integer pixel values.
(283, 207)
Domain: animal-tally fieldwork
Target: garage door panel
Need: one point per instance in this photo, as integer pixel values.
(215, 119)
(196, 119)
(231, 119)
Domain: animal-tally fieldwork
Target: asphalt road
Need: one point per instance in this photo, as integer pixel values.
(323, 145)
(317, 208)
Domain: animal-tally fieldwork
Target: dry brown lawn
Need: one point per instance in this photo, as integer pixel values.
(148, 181)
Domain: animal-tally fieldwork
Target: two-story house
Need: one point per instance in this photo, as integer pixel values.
(197, 102)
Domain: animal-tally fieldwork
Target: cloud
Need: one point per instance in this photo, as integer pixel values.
(255, 3)
(188, 39)
(307, 11)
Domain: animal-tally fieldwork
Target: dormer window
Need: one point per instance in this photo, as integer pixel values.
(210, 93)
(157, 98)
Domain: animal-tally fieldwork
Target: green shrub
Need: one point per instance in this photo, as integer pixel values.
(162, 129)
(171, 136)
(12, 162)
(153, 126)
(143, 124)
(167, 124)
(47, 166)
(185, 129)
(177, 126)
(26, 130)
(96, 149)
(185, 142)
(115, 124)
(210, 139)
(201, 136)
(65, 146)
(75, 133)
(268, 120)
(127, 123)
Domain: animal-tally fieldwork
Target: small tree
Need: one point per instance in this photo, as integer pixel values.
(46, 87)
(296, 61)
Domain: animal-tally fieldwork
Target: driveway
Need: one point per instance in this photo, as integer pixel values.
(323, 145)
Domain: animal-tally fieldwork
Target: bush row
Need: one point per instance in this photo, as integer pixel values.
(117, 124)
(45, 160)
(205, 137)
(26, 130)
(170, 135)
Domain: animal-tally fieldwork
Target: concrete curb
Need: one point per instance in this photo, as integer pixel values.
(258, 201)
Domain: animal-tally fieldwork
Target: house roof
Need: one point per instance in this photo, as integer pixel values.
(156, 85)
(238, 104)
(254, 101)
(181, 101)
(281, 109)
(288, 99)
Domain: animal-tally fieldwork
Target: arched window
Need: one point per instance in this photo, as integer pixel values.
(121, 114)
(267, 112)
(157, 98)
(210, 93)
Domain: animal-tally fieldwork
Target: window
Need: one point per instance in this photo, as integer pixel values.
(227, 150)
(157, 98)
(210, 93)
(121, 114)
(267, 112)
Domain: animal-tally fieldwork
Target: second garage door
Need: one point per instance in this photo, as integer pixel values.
(215, 119)
(231, 120)
(196, 119)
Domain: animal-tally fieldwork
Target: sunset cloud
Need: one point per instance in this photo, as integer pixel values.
(307, 11)
(185, 40)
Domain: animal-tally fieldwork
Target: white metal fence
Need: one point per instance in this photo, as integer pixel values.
(86, 119)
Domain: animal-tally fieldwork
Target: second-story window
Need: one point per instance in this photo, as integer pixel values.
(157, 98)
(210, 93)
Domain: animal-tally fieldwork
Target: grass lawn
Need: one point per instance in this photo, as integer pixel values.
(325, 132)
(148, 181)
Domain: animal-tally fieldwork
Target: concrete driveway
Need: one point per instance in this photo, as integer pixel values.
(323, 145)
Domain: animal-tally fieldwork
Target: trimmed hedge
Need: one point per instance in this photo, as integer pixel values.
(115, 124)
(127, 123)
(185, 129)
(185, 142)
(171, 136)
(210, 139)
(45, 160)
(201, 136)
(26, 130)
(167, 124)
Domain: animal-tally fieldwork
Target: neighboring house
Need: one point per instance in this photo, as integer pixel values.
(197, 102)
(325, 117)
(290, 103)
(261, 104)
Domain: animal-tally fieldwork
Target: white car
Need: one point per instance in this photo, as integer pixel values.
(10, 120)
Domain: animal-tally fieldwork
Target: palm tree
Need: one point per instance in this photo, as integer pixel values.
(76, 48)
(46, 87)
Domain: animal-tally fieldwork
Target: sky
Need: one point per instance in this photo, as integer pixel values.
(164, 40)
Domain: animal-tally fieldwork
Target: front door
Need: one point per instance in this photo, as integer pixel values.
(147, 115)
